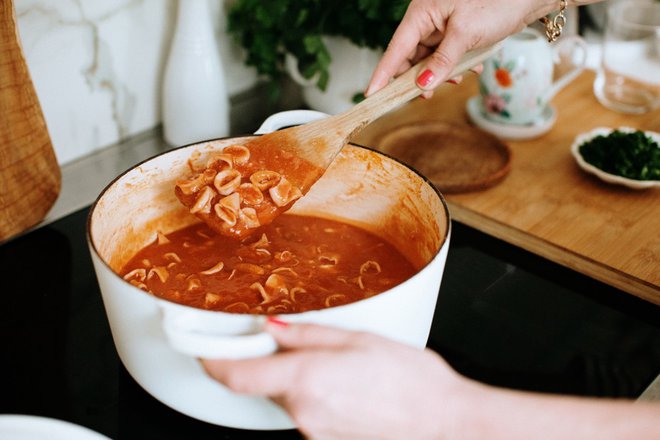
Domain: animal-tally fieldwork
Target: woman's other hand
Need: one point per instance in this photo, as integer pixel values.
(340, 384)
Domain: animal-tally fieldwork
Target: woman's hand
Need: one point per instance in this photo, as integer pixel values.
(444, 30)
(340, 384)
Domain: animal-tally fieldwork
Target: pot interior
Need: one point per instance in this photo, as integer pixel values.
(362, 187)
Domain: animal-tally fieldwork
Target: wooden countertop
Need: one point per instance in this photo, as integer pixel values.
(548, 205)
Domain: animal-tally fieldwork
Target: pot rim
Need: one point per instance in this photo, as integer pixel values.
(92, 208)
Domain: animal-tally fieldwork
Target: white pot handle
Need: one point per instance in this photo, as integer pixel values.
(289, 118)
(192, 336)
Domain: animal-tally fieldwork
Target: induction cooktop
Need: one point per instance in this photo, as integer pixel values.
(503, 316)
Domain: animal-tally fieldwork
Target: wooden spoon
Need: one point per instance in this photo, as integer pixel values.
(299, 154)
(320, 141)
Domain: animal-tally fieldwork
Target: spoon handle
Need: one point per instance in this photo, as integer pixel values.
(320, 141)
(401, 90)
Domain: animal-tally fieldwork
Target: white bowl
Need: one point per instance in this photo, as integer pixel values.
(159, 341)
(603, 175)
(29, 427)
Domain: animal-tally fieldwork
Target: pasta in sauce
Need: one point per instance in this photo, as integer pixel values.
(295, 264)
(245, 186)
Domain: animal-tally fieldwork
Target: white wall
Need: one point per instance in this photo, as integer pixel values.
(97, 66)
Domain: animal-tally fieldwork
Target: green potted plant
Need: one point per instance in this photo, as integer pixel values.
(326, 45)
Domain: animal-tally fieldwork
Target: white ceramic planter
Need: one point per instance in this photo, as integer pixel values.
(158, 341)
(350, 71)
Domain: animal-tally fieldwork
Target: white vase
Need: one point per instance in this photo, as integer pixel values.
(350, 71)
(194, 101)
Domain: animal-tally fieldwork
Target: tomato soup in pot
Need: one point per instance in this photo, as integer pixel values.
(159, 339)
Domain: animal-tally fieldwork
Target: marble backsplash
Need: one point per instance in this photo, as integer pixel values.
(97, 66)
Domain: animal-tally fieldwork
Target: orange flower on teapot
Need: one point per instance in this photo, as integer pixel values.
(503, 77)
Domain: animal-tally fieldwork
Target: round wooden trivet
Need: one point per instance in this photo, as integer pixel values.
(456, 158)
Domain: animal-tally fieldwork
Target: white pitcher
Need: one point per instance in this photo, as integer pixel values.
(517, 82)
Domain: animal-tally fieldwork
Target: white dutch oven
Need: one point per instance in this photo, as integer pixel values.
(159, 341)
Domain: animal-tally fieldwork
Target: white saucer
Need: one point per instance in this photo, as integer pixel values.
(510, 131)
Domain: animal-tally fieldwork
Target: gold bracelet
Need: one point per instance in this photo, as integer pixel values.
(554, 27)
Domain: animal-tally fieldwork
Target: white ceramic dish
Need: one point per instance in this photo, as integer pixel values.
(25, 427)
(603, 175)
(159, 341)
(510, 131)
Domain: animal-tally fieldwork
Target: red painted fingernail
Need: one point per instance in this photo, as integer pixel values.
(425, 79)
(278, 322)
(452, 81)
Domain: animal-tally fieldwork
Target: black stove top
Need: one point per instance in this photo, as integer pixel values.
(504, 316)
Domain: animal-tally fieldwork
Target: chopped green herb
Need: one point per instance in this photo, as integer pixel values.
(633, 155)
